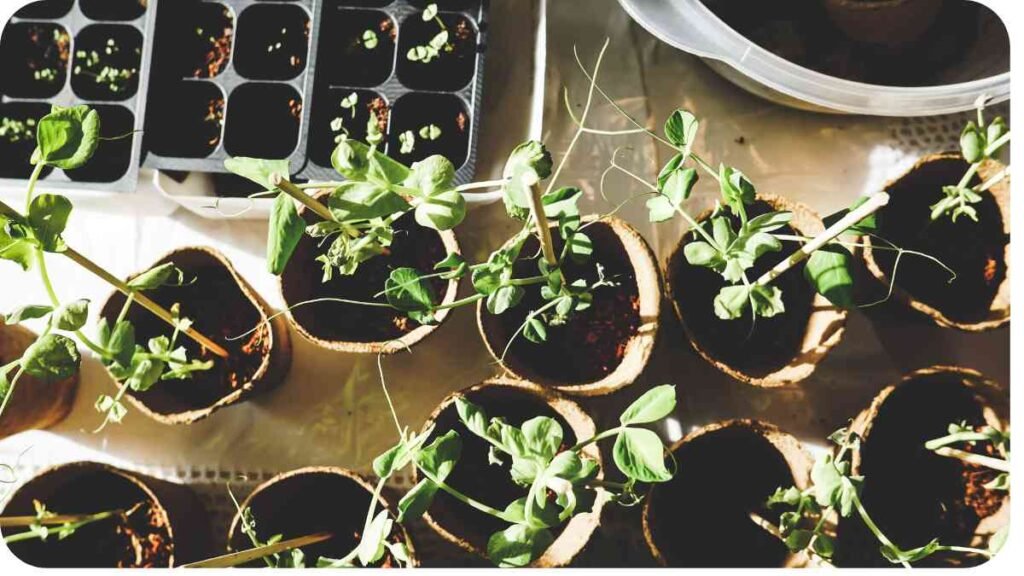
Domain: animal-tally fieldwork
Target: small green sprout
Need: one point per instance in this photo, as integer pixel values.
(408, 142)
(369, 39)
(430, 132)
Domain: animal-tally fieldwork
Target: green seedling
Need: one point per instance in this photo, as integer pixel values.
(46, 524)
(439, 44)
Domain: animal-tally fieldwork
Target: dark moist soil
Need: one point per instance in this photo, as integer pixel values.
(34, 59)
(94, 53)
(592, 343)
(351, 63)
(416, 110)
(913, 494)
(774, 342)
(975, 251)
(263, 121)
(192, 39)
(413, 246)
(190, 122)
(700, 518)
(455, 66)
(119, 10)
(113, 156)
(219, 310)
(330, 120)
(45, 9)
(475, 477)
(309, 503)
(272, 42)
(802, 32)
(18, 137)
(141, 541)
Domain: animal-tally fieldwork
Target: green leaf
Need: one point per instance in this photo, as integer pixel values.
(417, 501)
(439, 457)
(15, 247)
(258, 170)
(51, 358)
(430, 12)
(156, 277)
(371, 546)
(528, 164)
(432, 175)
(655, 404)
(67, 137)
(868, 225)
(827, 480)
(71, 316)
(535, 331)
(581, 247)
(472, 416)
(30, 312)
(504, 299)
(543, 436)
(681, 130)
(455, 264)
(737, 190)
(286, 229)
(700, 253)
(364, 201)
(769, 222)
(48, 216)
(639, 454)
(676, 188)
(122, 343)
(972, 143)
(824, 546)
(798, 540)
(407, 291)
(731, 302)
(830, 271)
(897, 556)
(442, 210)
(518, 545)
(767, 300)
(995, 130)
(562, 206)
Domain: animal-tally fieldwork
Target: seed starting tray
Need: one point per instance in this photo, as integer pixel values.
(261, 78)
(71, 52)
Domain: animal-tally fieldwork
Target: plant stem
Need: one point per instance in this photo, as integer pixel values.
(246, 556)
(479, 506)
(30, 191)
(976, 459)
(481, 185)
(879, 535)
(73, 523)
(966, 550)
(597, 438)
(44, 274)
(988, 184)
(873, 204)
(461, 302)
(295, 192)
(995, 146)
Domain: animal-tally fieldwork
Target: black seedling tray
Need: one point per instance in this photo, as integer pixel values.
(53, 52)
(265, 100)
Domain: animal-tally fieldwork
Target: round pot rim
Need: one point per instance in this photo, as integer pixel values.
(999, 310)
(396, 345)
(639, 347)
(131, 477)
(823, 316)
(275, 338)
(797, 458)
(577, 531)
(333, 470)
(18, 332)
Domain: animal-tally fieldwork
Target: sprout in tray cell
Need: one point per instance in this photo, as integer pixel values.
(359, 46)
(273, 42)
(190, 123)
(342, 114)
(427, 124)
(258, 110)
(45, 9)
(34, 59)
(113, 155)
(120, 10)
(212, 42)
(107, 61)
(18, 121)
(437, 50)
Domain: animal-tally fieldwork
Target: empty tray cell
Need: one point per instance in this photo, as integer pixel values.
(272, 41)
(344, 113)
(34, 59)
(426, 124)
(18, 137)
(188, 120)
(263, 121)
(119, 10)
(357, 47)
(437, 54)
(113, 156)
(45, 9)
(193, 40)
(364, 3)
(107, 60)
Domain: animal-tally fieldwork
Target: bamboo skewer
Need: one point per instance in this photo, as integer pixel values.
(246, 556)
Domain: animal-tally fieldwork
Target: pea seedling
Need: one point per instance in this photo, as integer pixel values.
(970, 446)
(45, 523)
(979, 142)
(369, 39)
(428, 52)
(67, 139)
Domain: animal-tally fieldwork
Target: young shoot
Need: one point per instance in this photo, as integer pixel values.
(369, 39)
(46, 524)
(432, 50)
(986, 446)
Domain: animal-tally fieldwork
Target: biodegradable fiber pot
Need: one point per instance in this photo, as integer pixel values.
(169, 529)
(222, 306)
(475, 477)
(725, 471)
(36, 404)
(358, 328)
(312, 500)
(601, 349)
(884, 22)
(979, 252)
(913, 494)
(781, 350)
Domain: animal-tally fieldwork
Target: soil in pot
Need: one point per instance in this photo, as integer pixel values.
(221, 311)
(190, 122)
(107, 62)
(193, 39)
(592, 344)
(419, 112)
(975, 250)
(34, 59)
(141, 540)
(913, 494)
(118, 10)
(272, 41)
(453, 68)
(263, 121)
(113, 156)
(332, 122)
(774, 342)
(361, 45)
(475, 477)
(413, 246)
(701, 517)
(45, 9)
(306, 502)
(18, 137)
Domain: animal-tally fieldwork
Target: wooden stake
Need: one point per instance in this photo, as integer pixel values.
(972, 458)
(537, 207)
(23, 521)
(246, 556)
(295, 192)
